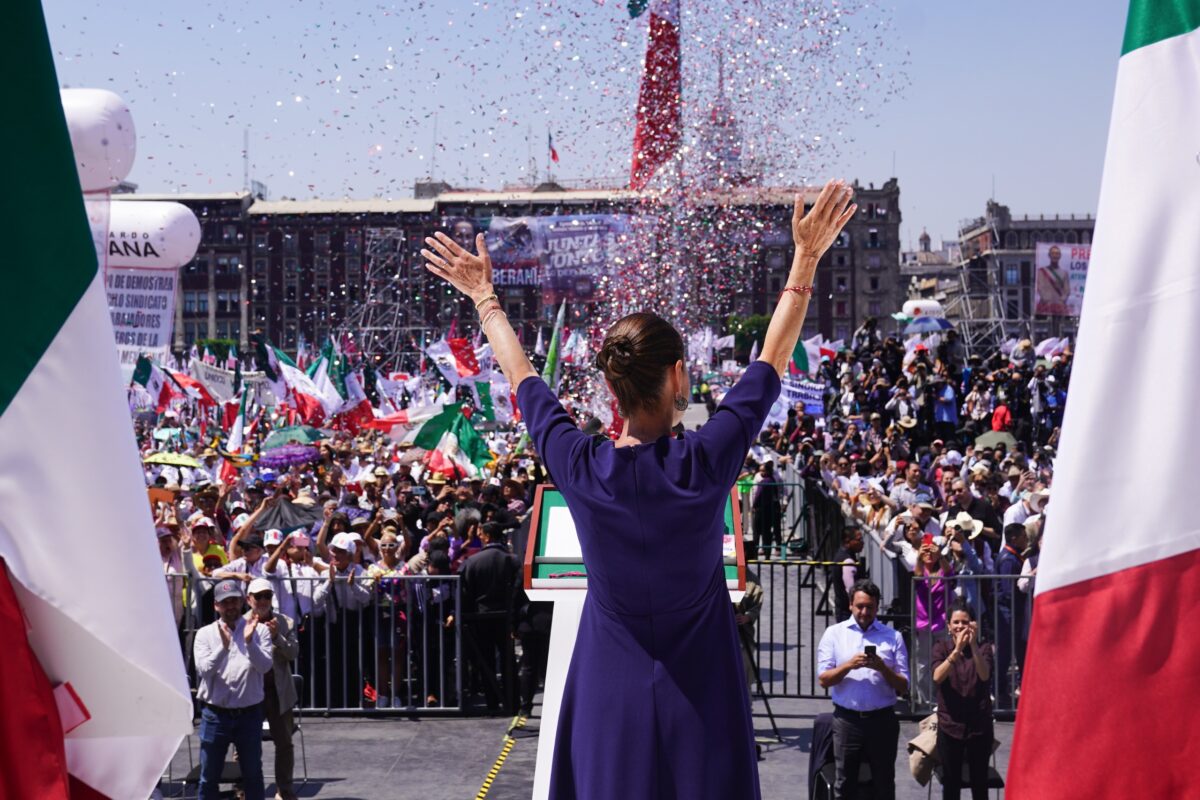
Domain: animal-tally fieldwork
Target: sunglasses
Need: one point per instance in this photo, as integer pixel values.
(389, 547)
(263, 595)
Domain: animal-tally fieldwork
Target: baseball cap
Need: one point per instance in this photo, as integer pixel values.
(272, 537)
(202, 522)
(226, 589)
(300, 539)
(344, 541)
(260, 585)
(240, 520)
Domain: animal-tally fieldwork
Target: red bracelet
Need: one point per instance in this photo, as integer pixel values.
(808, 290)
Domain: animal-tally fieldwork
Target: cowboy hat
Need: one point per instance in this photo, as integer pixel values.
(967, 524)
(908, 422)
(1038, 500)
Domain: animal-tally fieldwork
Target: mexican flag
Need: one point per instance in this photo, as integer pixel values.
(229, 474)
(659, 109)
(404, 425)
(357, 409)
(1110, 673)
(454, 358)
(155, 381)
(805, 356)
(455, 449)
(493, 396)
(82, 607)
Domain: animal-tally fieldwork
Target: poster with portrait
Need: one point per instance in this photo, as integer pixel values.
(1060, 272)
(565, 256)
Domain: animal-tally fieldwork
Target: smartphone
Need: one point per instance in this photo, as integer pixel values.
(869, 650)
(927, 539)
(420, 490)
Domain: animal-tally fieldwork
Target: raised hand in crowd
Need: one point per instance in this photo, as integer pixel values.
(251, 624)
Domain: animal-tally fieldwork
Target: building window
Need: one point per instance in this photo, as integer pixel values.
(839, 308)
(198, 266)
(353, 244)
(291, 266)
(260, 267)
(873, 241)
(839, 260)
(1010, 240)
(262, 242)
(775, 285)
(1012, 275)
(321, 265)
(841, 332)
(289, 312)
(258, 290)
(228, 265)
(230, 234)
(843, 240)
(353, 268)
(874, 261)
(880, 211)
(321, 241)
(873, 283)
(227, 301)
(189, 302)
(291, 242)
(289, 293)
(841, 284)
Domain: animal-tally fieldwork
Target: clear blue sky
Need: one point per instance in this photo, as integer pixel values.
(342, 98)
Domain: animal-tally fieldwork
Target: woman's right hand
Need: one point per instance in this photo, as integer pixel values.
(814, 233)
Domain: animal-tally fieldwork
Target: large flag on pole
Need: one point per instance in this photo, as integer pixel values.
(1111, 670)
(659, 110)
(99, 620)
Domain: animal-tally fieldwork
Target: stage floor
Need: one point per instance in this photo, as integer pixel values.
(436, 758)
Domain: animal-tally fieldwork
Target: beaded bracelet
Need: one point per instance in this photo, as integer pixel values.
(808, 290)
(491, 296)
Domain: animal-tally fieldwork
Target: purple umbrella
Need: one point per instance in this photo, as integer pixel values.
(289, 455)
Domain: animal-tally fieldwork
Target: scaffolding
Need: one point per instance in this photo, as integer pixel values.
(387, 325)
(975, 299)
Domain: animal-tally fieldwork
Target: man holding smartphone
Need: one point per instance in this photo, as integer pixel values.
(864, 664)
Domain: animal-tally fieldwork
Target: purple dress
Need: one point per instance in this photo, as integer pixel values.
(655, 703)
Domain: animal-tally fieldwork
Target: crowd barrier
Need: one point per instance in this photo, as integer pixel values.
(393, 655)
(404, 649)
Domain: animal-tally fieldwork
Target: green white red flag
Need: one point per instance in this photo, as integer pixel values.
(1110, 675)
(87, 611)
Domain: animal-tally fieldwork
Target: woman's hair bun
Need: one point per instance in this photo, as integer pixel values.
(616, 357)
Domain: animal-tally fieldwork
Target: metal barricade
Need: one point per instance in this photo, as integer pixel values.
(392, 644)
(1003, 607)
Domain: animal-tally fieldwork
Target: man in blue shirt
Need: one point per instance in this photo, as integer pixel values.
(864, 664)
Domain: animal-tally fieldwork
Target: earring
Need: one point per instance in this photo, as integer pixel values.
(681, 403)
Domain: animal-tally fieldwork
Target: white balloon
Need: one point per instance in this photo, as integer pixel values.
(151, 234)
(102, 135)
(923, 308)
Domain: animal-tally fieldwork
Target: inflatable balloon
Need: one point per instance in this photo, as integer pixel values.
(151, 234)
(923, 308)
(102, 136)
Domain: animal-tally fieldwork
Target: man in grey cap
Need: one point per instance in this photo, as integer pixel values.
(278, 687)
(232, 654)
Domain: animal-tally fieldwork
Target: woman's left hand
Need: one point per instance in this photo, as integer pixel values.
(470, 274)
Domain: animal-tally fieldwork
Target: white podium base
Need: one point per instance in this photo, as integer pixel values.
(568, 609)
